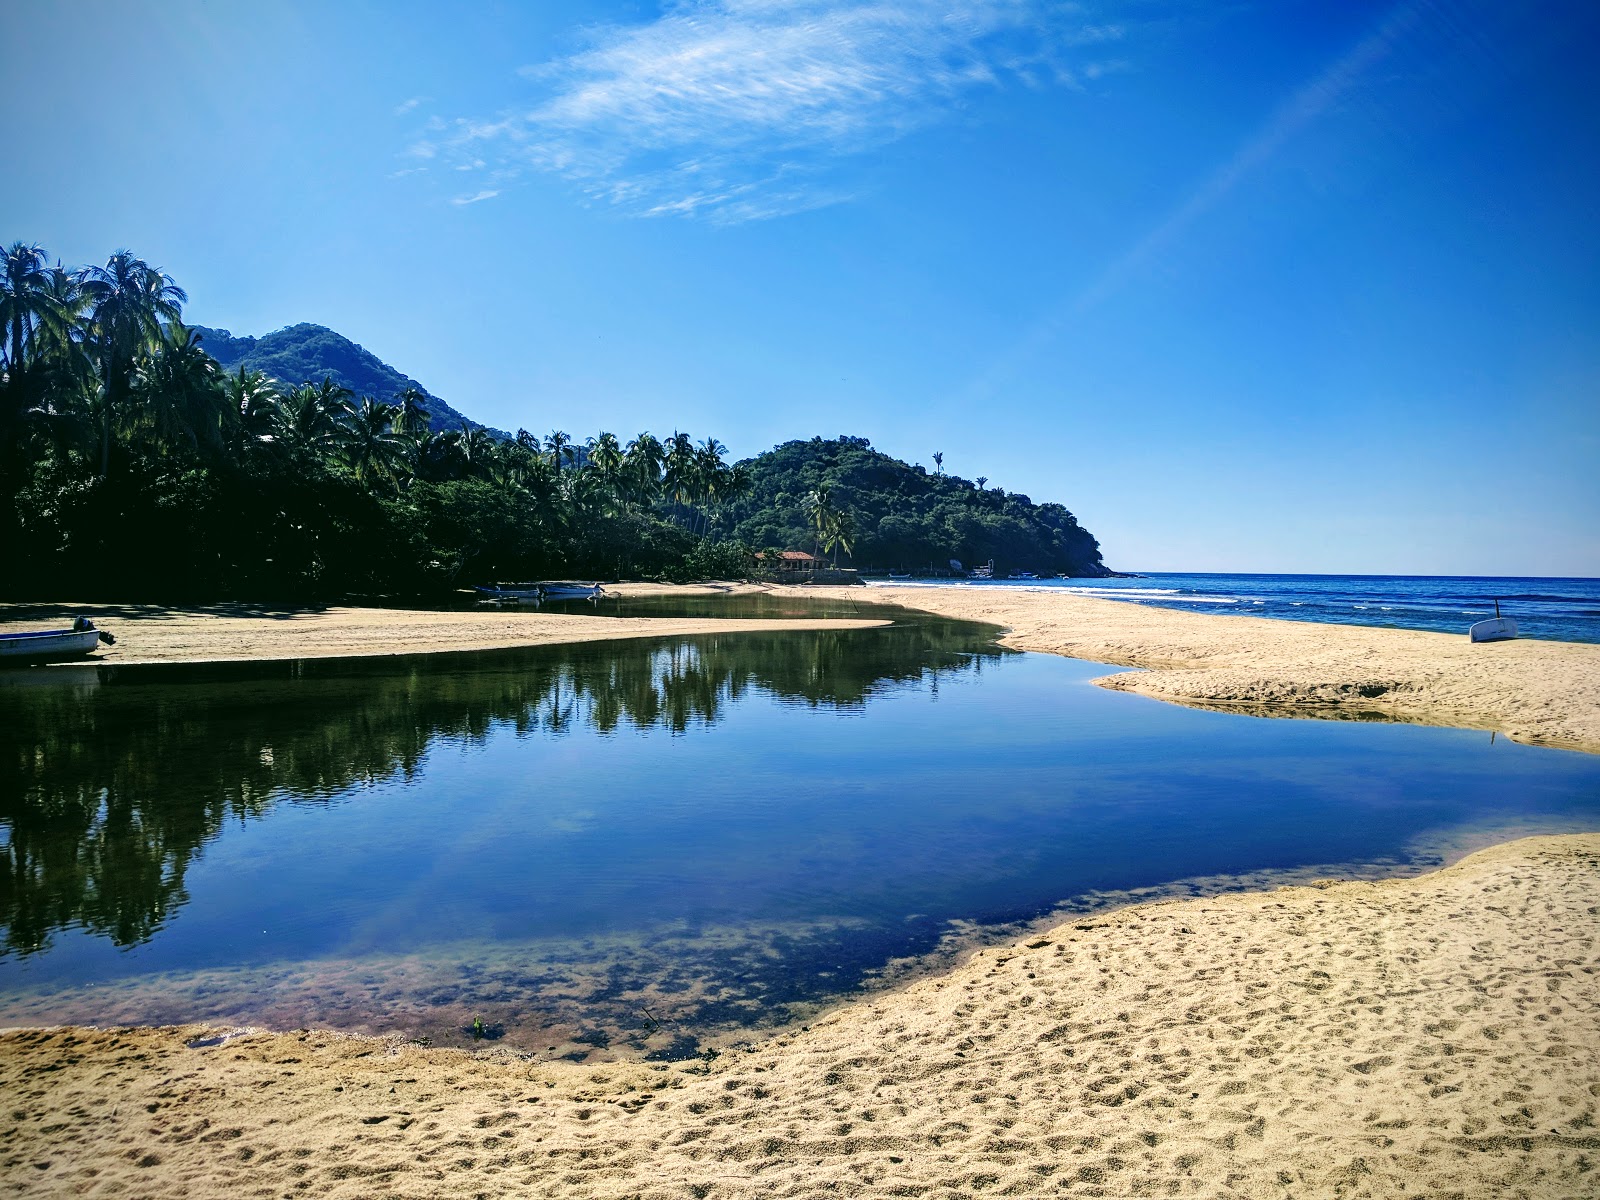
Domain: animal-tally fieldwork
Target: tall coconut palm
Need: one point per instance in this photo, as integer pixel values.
(821, 513)
(734, 485)
(178, 396)
(476, 448)
(559, 444)
(680, 472)
(254, 398)
(414, 415)
(642, 462)
(605, 461)
(709, 476)
(25, 303)
(840, 534)
(373, 449)
(310, 416)
(129, 301)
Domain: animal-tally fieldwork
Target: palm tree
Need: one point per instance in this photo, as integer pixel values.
(560, 446)
(982, 479)
(680, 469)
(256, 401)
(414, 415)
(709, 472)
(476, 448)
(642, 463)
(180, 396)
(735, 484)
(130, 300)
(28, 309)
(373, 449)
(938, 462)
(25, 304)
(841, 531)
(310, 416)
(605, 460)
(821, 513)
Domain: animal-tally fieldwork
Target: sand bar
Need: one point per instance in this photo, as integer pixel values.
(1437, 1035)
(1546, 693)
(233, 633)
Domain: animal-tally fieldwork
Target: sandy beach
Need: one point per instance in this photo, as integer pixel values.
(1545, 693)
(1437, 1035)
(235, 633)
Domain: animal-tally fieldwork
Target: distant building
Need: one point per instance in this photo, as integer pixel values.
(798, 560)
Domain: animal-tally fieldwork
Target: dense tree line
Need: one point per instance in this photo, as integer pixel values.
(308, 351)
(885, 514)
(133, 465)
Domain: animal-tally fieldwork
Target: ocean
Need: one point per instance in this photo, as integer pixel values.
(1565, 610)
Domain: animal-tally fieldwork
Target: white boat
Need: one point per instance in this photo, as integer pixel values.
(899, 574)
(1497, 629)
(532, 593)
(572, 591)
(48, 645)
(982, 572)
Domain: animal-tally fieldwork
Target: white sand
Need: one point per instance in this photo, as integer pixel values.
(1546, 693)
(1434, 1036)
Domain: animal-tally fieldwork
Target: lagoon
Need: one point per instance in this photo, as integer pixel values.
(637, 847)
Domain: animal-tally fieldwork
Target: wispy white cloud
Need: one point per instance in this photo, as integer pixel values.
(406, 106)
(486, 194)
(738, 110)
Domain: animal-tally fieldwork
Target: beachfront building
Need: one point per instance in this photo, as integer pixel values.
(798, 560)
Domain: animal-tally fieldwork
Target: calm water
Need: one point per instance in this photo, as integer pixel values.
(626, 847)
(1565, 610)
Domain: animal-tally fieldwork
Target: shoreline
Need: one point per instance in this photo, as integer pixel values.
(152, 634)
(1308, 1041)
(1539, 692)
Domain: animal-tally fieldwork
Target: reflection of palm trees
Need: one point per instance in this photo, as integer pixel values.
(96, 835)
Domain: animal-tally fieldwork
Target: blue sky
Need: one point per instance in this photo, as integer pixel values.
(1276, 286)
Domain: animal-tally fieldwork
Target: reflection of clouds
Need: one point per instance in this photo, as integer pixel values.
(742, 109)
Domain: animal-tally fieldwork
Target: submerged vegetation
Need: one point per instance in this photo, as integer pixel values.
(134, 466)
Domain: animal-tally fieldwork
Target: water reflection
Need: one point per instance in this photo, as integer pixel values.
(113, 779)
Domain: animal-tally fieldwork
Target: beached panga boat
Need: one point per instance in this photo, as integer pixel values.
(532, 593)
(571, 591)
(48, 645)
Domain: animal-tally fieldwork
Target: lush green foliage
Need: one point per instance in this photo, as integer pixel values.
(133, 465)
(317, 352)
(841, 494)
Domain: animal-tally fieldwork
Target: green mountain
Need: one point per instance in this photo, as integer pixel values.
(305, 353)
(905, 518)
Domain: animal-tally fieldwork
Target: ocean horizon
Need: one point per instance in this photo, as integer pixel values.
(1550, 608)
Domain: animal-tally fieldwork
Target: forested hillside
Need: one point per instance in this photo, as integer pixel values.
(309, 353)
(902, 517)
(134, 465)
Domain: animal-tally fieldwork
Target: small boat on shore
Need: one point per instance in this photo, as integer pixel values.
(572, 591)
(533, 593)
(52, 645)
(1497, 629)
